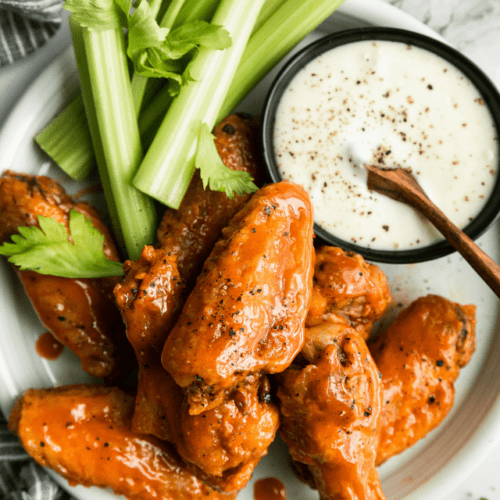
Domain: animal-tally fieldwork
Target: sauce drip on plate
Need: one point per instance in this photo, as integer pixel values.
(269, 488)
(48, 347)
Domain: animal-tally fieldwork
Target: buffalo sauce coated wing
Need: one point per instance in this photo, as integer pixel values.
(329, 408)
(420, 356)
(246, 313)
(155, 286)
(149, 301)
(149, 311)
(347, 289)
(83, 433)
(80, 313)
(330, 396)
(223, 445)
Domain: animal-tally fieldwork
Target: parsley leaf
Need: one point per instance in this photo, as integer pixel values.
(47, 249)
(213, 171)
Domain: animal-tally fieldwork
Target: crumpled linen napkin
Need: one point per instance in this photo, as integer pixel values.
(26, 25)
(20, 477)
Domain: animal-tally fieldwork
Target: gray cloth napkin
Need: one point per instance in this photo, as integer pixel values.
(26, 25)
(20, 477)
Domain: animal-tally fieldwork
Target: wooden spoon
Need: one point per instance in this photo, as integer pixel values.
(400, 185)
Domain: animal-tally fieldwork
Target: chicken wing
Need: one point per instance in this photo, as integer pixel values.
(155, 287)
(80, 313)
(330, 396)
(420, 356)
(247, 311)
(149, 311)
(223, 445)
(348, 290)
(329, 409)
(83, 433)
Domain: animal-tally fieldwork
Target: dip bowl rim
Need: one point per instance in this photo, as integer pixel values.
(490, 95)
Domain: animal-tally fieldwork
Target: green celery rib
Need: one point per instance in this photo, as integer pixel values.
(157, 5)
(168, 19)
(139, 84)
(196, 9)
(86, 108)
(71, 127)
(67, 140)
(113, 123)
(58, 144)
(150, 119)
(268, 9)
(168, 165)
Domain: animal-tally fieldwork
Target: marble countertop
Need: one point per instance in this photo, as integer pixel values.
(472, 26)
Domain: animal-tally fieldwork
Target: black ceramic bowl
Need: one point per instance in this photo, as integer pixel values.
(488, 91)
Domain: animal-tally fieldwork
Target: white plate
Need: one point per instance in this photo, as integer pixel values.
(430, 469)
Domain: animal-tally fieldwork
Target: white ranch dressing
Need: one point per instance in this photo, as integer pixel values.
(396, 105)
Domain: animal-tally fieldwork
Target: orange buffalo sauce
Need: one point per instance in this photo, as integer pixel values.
(48, 347)
(269, 488)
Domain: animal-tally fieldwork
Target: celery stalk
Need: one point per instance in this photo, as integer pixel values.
(168, 165)
(58, 142)
(139, 84)
(114, 129)
(196, 9)
(151, 117)
(269, 7)
(66, 139)
(156, 5)
(88, 109)
(171, 14)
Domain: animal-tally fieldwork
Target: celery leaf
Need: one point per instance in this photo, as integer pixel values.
(98, 15)
(214, 173)
(48, 250)
(196, 33)
(160, 53)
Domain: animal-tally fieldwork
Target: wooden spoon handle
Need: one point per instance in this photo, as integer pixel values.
(486, 267)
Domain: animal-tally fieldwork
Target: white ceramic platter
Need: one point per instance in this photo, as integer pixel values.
(430, 469)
